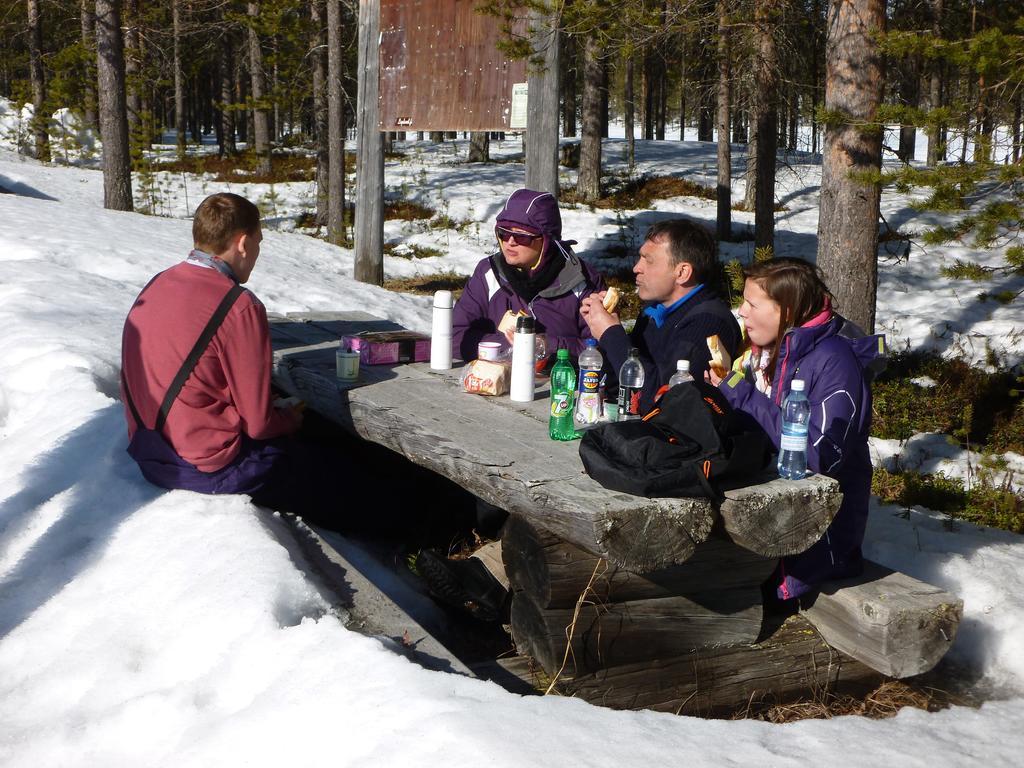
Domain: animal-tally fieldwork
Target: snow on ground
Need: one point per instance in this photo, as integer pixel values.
(146, 628)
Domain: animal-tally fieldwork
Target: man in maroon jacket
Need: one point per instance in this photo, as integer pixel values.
(218, 430)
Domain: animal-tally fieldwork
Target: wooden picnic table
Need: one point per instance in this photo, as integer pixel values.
(500, 451)
(655, 601)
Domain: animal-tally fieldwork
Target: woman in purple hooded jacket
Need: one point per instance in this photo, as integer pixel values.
(794, 334)
(534, 271)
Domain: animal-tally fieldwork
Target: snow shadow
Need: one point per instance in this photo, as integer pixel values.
(9, 186)
(105, 488)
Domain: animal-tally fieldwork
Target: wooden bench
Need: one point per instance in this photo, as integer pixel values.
(629, 601)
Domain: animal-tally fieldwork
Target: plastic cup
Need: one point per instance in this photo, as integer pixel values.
(488, 350)
(347, 365)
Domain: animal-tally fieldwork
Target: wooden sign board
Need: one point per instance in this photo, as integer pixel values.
(441, 70)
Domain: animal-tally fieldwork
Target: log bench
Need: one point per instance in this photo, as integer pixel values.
(629, 601)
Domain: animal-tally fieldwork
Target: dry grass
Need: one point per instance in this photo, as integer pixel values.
(884, 701)
(405, 210)
(641, 192)
(427, 284)
(239, 169)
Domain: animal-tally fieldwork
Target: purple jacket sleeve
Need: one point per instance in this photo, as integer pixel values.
(576, 342)
(834, 392)
(471, 320)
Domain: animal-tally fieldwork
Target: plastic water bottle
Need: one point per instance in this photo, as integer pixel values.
(631, 381)
(563, 389)
(588, 394)
(796, 413)
(682, 374)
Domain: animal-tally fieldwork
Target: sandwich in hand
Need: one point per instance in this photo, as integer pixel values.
(611, 299)
(720, 361)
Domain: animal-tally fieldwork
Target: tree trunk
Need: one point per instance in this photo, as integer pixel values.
(683, 83)
(541, 142)
(724, 190)
(479, 147)
(605, 101)
(260, 118)
(179, 79)
(588, 185)
(569, 85)
(630, 115)
(662, 121)
(848, 219)
(117, 168)
(225, 68)
(750, 171)
(40, 122)
(369, 219)
(336, 127)
(87, 17)
(321, 121)
(706, 122)
(910, 91)
(138, 133)
(242, 92)
(1016, 126)
(936, 148)
(766, 120)
(648, 95)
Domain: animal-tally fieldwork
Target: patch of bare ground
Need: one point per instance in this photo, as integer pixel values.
(427, 284)
(884, 701)
(641, 191)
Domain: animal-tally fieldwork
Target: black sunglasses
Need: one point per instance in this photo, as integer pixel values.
(519, 238)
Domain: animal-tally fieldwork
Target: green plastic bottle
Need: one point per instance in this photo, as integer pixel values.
(563, 398)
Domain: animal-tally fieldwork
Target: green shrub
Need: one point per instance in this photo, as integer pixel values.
(984, 502)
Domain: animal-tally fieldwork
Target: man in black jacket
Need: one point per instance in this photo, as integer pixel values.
(677, 260)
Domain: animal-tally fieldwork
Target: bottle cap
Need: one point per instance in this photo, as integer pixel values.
(591, 342)
(443, 299)
(682, 365)
(634, 352)
(525, 324)
(563, 354)
(797, 385)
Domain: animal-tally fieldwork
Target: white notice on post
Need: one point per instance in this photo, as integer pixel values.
(517, 120)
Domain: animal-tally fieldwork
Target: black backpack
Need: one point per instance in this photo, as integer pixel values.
(691, 444)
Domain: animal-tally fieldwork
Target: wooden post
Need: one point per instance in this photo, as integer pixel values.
(369, 222)
(542, 117)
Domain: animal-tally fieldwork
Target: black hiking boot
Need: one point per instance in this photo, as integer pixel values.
(464, 584)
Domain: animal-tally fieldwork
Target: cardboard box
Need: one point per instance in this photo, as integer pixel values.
(389, 347)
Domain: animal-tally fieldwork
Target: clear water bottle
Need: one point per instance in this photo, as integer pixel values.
(563, 391)
(682, 374)
(796, 413)
(588, 394)
(631, 382)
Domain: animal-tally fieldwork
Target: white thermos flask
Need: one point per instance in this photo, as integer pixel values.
(523, 360)
(441, 332)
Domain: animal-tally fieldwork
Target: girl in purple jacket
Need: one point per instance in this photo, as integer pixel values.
(794, 334)
(533, 271)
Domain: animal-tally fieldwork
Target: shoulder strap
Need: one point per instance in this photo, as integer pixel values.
(197, 351)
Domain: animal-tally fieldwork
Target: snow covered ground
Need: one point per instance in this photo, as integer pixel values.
(148, 628)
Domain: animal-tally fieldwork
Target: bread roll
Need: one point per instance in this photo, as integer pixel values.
(611, 299)
(508, 321)
(720, 361)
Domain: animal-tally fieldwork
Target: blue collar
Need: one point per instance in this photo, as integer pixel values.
(659, 312)
(206, 260)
